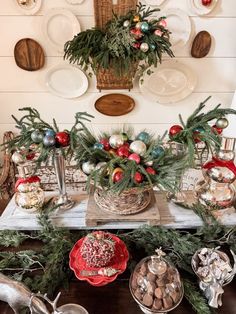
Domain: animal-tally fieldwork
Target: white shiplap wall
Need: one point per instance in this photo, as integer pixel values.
(18, 88)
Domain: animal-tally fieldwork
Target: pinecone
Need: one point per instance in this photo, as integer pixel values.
(97, 249)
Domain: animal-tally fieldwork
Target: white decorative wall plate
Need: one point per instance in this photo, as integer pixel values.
(170, 82)
(28, 7)
(60, 25)
(66, 81)
(200, 9)
(74, 1)
(178, 22)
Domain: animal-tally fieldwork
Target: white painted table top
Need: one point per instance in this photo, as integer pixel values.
(14, 218)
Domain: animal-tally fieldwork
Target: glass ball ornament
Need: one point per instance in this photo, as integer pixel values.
(37, 136)
(175, 129)
(116, 140)
(144, 47)
(100, 165)
(222, 123)
(144, 27)
(126, 23)
(157, 152)
(135, 157)
(138, 25)
(124, 136)
(88, 167)
(163, 23)
(105, 143)
(144, 137)
(18, 158)
(49, 141)
(138, 177)
(138, 147)
(136, 18)
(50, 132)
(215, 129)
(158, 32)
(98, 146)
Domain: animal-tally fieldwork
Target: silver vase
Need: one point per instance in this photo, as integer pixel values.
(63, 201)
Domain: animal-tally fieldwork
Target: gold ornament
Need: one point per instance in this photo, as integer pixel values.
(222, 123)
(136, 18)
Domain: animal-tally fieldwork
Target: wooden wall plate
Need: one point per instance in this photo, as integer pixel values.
(201, 45)
(29, 55)
(114, 104)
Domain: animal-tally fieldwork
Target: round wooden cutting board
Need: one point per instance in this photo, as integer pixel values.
(29, 55)
(114, 104)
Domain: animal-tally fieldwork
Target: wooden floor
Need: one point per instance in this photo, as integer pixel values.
(115, 298)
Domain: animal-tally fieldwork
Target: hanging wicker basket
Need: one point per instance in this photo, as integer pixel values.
(108, 79)
(130, 201)
(103, 12)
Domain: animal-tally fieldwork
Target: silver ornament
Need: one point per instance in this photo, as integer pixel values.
(126, 23)
(149, 163)
(138, 147)
(49, 141)
(138, 25)
(116, 140)
(88, 167)
(37, 136)
(222, 123)
(17, 158)
(144, 47)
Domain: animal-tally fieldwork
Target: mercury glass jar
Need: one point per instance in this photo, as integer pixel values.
(155, 285)
(29, 196)
(216, 190)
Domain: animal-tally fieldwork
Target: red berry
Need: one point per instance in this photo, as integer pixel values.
(138, 178)
(134, 157)
(30, 155)
(118, 176)
(123, 151)
(216, 129)
(62, 138)
(175, 129)
(105, 143)
(150, 170)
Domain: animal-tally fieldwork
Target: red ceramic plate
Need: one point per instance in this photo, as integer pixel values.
(119, 261)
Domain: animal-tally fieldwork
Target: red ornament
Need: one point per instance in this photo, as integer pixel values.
(150, 170)
(62, 138)
(138, 177)
(134, 157)
(118, 176)
(175, 129)
(123, 151)
(163, 23)
(136, 32)
(30, 155)
(126, 144)
(158, 32)
(206, 2)
(105, 143)
(136, 45)
(214, 128)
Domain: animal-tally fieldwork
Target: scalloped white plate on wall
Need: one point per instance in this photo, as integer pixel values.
(200, 9)
(154, 3)
(60, 25)
(66, 81)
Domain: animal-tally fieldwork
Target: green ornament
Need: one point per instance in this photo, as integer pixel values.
(157, 152)
(144, 137)
(125, 137)
(145, 27)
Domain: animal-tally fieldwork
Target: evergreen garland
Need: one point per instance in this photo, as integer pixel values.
(52, 258)
(116, 47)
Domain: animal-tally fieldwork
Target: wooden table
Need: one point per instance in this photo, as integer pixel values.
(115, 298)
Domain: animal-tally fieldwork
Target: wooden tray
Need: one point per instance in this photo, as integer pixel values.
(95, 216)
(114, 104)
(29, 54)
